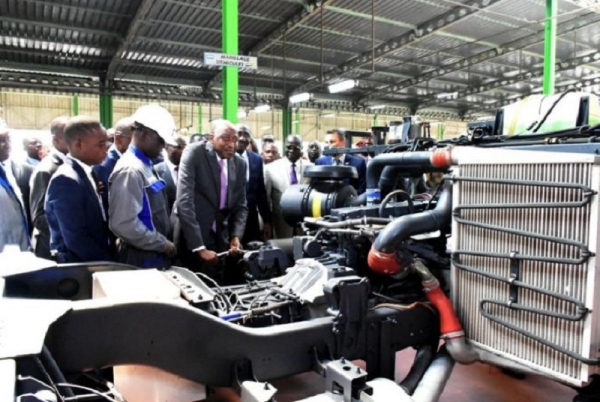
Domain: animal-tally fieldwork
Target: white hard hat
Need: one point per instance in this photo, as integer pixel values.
(158, 119)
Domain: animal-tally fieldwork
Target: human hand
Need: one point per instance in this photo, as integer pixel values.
(235, 246)
(170, 250)
(267, 231)
(208, 256)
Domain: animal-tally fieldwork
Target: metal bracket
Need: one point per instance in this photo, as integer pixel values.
(345, 378)
(515, 273)
(253, 391)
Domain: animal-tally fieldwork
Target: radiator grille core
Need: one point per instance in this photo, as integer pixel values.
(551, 201)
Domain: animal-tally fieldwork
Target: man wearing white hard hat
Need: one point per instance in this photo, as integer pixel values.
(138, 207)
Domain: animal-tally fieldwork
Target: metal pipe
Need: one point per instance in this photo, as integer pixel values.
(432, 384)
(550, 46)
(350, 222)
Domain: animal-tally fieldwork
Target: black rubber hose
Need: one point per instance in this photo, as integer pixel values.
(54, 371)
(405, 226)
(389, 179)
(357, 201)
(410, 163)
(423, 358)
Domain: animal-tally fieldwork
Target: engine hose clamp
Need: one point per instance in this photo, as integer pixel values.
(453, 335)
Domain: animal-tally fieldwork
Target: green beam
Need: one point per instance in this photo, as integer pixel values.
(199, 118)
(106, 110)
(297, 120)
(286, 123)
(230, 46)
(75, 105)
(550, 47)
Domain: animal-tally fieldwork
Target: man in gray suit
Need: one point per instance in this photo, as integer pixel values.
(211, 200)
(39, 184)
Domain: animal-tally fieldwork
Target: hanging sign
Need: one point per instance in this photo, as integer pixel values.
(230, 60)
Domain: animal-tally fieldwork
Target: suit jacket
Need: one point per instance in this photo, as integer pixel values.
(357, 162)
(39, 185)
(108, 165)
(277, 180)
(22, 173)
(256, 197)
(198, 195)
(78, 230)
(165, 173)
(13, 218)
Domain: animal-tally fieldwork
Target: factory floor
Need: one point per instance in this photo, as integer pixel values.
(474, 383)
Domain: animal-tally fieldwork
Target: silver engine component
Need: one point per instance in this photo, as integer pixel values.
(524, 272)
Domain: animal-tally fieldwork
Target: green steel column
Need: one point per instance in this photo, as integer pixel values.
(230, 46)
(550, 47)
(106, 110)
(199, 118)
(375, 121)
(297, 119)
(286, 123)
(75, 105)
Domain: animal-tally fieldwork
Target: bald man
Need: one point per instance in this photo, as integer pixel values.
(123, 131)
(211, 200)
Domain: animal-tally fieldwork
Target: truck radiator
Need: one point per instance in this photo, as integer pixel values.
(524, 275)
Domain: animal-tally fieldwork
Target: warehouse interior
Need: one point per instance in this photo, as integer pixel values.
(446, 61)
(449, 63)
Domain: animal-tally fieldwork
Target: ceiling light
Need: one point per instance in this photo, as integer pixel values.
(447, 95)
(265, 128)
(511, 73)
(242, 114)
(329, 115)
(342, 86)
(377, 107)
(262, 108)
(303, 97)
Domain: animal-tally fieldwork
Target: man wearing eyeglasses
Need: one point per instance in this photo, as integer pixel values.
(211, 202)
(138, 206)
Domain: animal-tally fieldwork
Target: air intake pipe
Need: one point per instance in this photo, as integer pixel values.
(382, 257)
(408, 164)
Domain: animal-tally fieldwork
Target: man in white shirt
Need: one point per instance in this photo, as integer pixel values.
(74, 209)
(281, 174)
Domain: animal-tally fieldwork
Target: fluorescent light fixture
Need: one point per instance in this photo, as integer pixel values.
(447, 95)
(303, 97)
(342, 86)
(591, 77)
(242, 114)
(262, 108)
(265, 128)
(513, 73)
(296, 121)
(377, 107)
(329, 115)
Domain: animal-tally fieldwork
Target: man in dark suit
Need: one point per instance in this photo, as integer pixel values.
(122, 139)
(74, 209)
(335, 139)
(256, 194)
(169, 169)
(39, 185)
(211, 199)
(14, 226)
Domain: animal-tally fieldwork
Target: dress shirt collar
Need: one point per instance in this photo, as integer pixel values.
(341, 158)
(113, 148)
(59, 154)
(86, 168)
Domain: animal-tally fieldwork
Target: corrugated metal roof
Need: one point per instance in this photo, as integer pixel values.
(173, 36)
